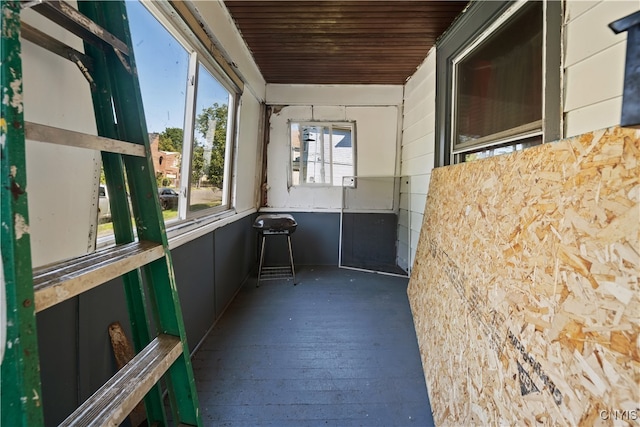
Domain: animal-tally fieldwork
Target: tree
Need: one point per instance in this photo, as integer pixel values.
(216, 115)
(171, 140)
(197, 165)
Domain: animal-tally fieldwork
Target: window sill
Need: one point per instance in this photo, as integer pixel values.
(185, 231)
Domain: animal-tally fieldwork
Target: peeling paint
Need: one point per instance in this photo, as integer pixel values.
(13, 170)
(16, 100)
(79, 17)
(20, 225)
(12, 30)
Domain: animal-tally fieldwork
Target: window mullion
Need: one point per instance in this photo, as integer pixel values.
(187, 143)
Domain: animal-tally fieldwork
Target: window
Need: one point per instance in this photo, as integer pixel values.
(499, 80)
(210, 156)
(189, 107)
(322, 153)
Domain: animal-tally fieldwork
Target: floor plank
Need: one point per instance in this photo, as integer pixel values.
(338, 349)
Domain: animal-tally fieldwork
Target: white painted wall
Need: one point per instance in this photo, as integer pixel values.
(418, 148)
(375, 111)
(62, 181)
(594, 64)
(247, 176)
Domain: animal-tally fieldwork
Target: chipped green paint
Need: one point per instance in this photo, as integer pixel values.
(20, 389)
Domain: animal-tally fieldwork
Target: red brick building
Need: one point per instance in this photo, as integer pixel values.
(165, 163)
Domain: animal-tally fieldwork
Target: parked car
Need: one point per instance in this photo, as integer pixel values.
(104, 210)
(168, 198)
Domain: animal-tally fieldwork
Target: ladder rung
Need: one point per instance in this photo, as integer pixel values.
(113, 402)
(53, 45)
(67, 17)
(44, 133)
(58, 282)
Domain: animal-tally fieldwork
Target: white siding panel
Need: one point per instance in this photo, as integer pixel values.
(420, 184)
(418, 202)
(403, 218)
(414, 131)
(596, 79)
(416, 220)
(592, 117)
(416, 112)
(590, 34)
(418, 144)
(426, 124)
(418, 165)
(424, 71)
(594, 64)
(420, 147)
(576, 8)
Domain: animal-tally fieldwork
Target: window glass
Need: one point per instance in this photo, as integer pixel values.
(322, 153)
(208, 175)
(176, 83)
(162, 64)
(496, 150)
(498, 85)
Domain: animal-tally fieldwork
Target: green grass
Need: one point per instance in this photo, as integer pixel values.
(107, 227)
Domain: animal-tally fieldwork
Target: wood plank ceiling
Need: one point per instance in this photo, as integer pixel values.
(341, 42)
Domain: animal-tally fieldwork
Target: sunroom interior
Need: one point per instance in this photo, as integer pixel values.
(464, 179)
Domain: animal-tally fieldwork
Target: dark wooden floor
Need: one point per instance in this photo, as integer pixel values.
(338, 349)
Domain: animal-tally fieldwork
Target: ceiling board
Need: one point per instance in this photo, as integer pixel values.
(341, 42)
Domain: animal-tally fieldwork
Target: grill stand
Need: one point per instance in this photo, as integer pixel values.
(276, 272)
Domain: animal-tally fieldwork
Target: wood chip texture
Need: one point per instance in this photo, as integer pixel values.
(525, 290)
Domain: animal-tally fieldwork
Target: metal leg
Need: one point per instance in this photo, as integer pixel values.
(293, 270)
(261, 261)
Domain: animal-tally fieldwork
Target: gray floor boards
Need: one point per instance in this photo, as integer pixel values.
(338, 349)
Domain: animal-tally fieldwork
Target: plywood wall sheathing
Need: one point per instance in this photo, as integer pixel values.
(525, 289)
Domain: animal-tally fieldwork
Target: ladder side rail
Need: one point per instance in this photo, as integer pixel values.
(121, 218)
(20, 388)
(74, 21)
(146, 208)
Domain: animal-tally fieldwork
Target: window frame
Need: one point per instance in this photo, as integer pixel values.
(331, 124)
(184, 213)
(180, 29)
(175, 25)
(476, 24)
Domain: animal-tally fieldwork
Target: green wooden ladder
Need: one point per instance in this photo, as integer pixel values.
(109, 67)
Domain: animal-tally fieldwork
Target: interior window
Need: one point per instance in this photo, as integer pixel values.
(498, 88)
(499, 76)
(322, 153)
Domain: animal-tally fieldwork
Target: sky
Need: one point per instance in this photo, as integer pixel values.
(162, 64)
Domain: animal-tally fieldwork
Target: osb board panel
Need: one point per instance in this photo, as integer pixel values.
(525, 287)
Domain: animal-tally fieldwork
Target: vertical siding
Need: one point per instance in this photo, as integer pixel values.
(593, 64)
(418, 150)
